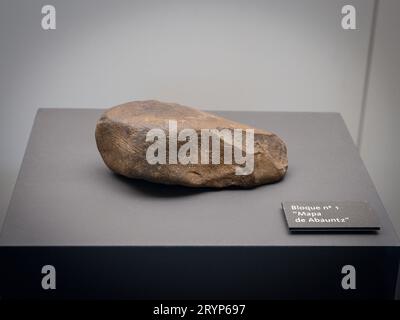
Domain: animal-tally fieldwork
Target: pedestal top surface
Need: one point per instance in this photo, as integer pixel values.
(66, 196)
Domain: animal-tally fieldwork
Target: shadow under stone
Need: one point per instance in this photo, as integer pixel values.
(159, 190)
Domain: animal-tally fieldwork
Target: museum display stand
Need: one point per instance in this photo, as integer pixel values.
(110, 237)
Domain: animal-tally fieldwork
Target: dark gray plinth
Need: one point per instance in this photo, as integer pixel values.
(66, 196)
(110, 237)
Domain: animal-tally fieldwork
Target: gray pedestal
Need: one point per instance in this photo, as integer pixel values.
(174, 242)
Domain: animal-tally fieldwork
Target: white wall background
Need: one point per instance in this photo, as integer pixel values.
(221, 55)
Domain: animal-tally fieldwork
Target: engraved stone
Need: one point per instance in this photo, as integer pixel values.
(200, 149)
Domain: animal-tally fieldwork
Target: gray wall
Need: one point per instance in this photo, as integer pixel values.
(380, 144)
(221, 55)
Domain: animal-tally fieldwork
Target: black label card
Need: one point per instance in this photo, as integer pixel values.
(330, 216)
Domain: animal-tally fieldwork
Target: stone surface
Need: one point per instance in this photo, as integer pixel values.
(121, 139)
